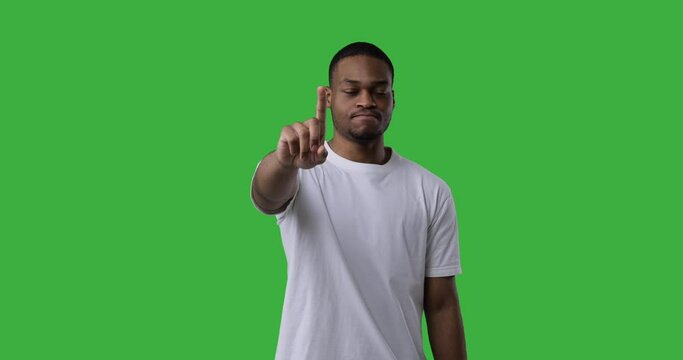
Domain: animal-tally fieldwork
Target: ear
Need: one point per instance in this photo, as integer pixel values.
(393, 98)
(328, 96)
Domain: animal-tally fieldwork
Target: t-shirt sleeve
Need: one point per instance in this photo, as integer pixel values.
(443, 248)
(279, 215)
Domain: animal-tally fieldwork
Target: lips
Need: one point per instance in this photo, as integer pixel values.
(369, 119)
(366, 115)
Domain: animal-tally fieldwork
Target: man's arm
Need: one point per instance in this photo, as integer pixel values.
(444, 320)
(301, 146)
(274, 184)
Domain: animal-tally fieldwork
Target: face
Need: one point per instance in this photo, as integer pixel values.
(361, 98)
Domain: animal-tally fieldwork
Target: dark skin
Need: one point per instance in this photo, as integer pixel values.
(363, 85)
(361, 100)
(444, 319)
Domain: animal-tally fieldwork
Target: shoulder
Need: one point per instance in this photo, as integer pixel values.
(428, 180)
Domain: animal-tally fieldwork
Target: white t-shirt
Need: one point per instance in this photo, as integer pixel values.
(359, 240)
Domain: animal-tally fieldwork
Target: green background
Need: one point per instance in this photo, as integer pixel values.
(129, 133)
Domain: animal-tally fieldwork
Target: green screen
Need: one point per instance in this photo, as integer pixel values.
(129, 132)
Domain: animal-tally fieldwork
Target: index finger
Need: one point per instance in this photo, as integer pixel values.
(320, 110)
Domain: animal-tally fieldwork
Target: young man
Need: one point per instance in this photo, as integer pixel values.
(371, 238)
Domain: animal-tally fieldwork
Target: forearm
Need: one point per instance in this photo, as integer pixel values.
(274, 183)
(446, 333)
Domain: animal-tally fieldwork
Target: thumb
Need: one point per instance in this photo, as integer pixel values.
(321, 153)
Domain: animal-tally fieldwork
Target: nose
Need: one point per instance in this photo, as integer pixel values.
(366, 100)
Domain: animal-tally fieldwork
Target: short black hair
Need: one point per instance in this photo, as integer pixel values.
(360, 48)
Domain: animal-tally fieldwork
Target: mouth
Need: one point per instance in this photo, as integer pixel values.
(366, 119)
(365, 116)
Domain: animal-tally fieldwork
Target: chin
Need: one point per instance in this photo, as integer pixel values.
(364, 137)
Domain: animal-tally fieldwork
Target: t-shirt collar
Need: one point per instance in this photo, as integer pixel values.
(350, 165)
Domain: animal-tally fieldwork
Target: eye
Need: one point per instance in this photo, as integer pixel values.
(350, 92)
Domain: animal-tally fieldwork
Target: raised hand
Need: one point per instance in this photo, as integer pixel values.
(301, 144)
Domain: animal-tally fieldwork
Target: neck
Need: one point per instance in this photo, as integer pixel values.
(373, 152)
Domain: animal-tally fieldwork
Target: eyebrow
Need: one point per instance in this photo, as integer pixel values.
(378, 82)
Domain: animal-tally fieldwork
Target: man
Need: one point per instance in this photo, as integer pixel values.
(371, 238)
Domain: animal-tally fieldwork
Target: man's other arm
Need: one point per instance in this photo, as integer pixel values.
(444, 319)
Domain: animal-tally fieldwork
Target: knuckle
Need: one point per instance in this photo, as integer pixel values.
(300, 128)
